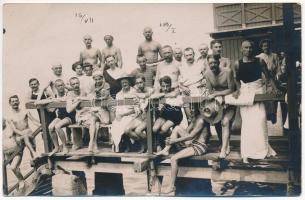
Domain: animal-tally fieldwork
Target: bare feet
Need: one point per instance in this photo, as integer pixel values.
(65, 150)
(75, 147)
(143, 148)
(159, 148)
(164, 152)
(55, 150)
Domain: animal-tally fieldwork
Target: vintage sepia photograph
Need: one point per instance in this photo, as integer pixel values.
(151, 99)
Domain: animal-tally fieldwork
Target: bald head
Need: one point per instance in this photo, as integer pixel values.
(247, 48)
(203, 49)
(108, 39)
(87, 40)
(147, 32)
(178, 54)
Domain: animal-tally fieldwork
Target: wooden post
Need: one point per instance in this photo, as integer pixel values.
(4, 171)
(45, 123)
(90, 181)
(149, 128)
(294, 132)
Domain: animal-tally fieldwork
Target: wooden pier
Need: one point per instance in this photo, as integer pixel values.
(149, 166)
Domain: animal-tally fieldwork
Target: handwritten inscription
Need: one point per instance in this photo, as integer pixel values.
(84, 18)
(168, 27)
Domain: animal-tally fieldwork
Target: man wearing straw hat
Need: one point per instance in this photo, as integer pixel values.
(124, 114)
(220, 82)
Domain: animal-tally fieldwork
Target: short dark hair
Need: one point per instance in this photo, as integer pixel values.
(74, 65)
(109, 57)
(215, 42)
(12, 97)
(141, 76)
(33, 79)
(141, 56)
(73, 78)
(87, 65)
(248, 40)
(268, 41)
(165, 79)
(213, 56)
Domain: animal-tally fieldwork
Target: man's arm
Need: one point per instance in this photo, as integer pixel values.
(196, 130)
(71, 106)
(140, 51)
(99, 55)
(102, 60)
(229, 77)
(13, 127)
(172, 94)
(81, 59)
(119, 56)
(156, 81)
(159, 47)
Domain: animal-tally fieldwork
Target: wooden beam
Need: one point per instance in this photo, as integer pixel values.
(86, 103)
(228, 174)
(294, 130)
(45, 128)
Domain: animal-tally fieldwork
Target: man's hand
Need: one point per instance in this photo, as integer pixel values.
(211, 96)
(186, 91)
(169, 141)
(236, 94)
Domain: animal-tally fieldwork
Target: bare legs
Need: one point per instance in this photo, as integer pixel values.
(55, 128)
(161, 128)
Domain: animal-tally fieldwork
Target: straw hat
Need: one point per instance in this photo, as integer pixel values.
(212, 110)
(127, 76)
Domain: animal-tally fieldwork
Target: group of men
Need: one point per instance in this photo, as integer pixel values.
(163, 73)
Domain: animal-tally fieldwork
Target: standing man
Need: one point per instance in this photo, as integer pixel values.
(254, 133)
(111, 50)
(202, 59)
(168, 67)
(150, 48)
(272, 61)
(216, 47)
(220, 82)
(190, 79)
(145, 71)
(178, 54)
(90, 55)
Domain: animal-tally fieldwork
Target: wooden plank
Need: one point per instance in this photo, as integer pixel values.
(119, 168)
(45, 129)
(228, 174)
(85, 103)
(149, 129)
(139, 164)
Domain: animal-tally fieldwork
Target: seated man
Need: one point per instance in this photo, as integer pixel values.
(194, 138)
(18, 122)
(86, 81)
(63, 119)
(220, 82)
(84, 115)
(102, 91)
(169, 114)
(135, 129)
(10, 145)
(124, 113)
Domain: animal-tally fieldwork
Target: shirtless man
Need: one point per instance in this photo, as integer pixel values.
(202, 59)
(216, 47)
(111, 50)
(178, 54)
(168, 67)
(150, 49)
(220, 82)
(18, 122)
(10, 145)
(194, 137)
(135, 129)
(91, 55)
(143, 70)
